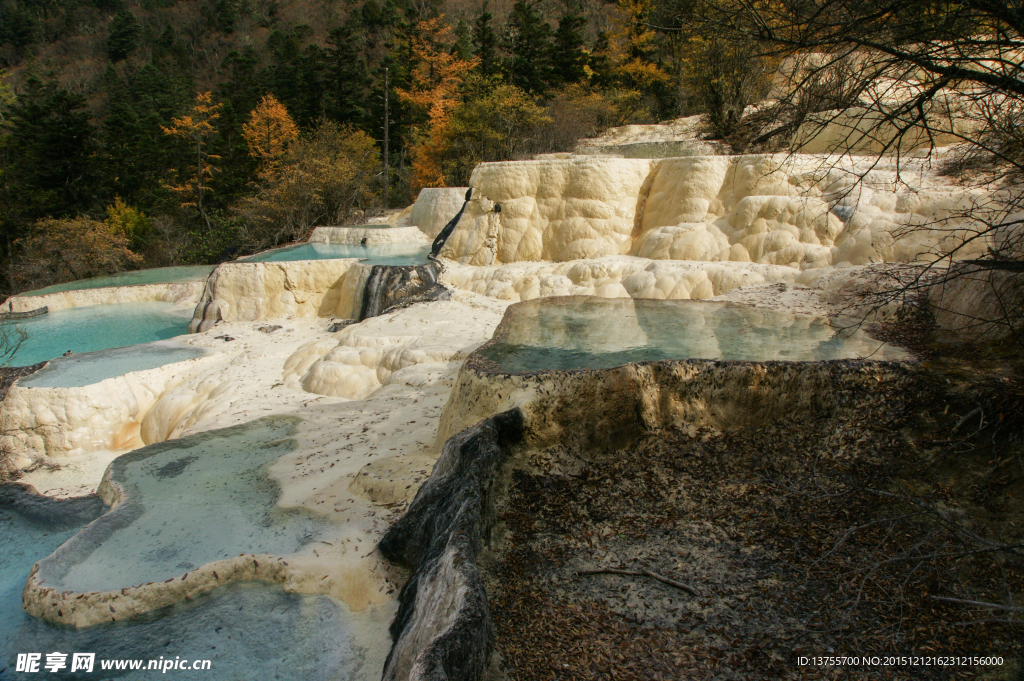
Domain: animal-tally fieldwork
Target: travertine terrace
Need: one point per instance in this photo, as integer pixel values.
(377, 399)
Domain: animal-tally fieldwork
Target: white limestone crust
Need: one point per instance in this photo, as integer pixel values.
(612, 277)
(43, 423)
(181, 292)
(352, 236)
(795, 210)
(255, 291)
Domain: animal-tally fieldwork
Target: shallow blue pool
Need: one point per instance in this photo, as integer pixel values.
(246, 631)
(99, 327)
(156, 275)
(191, 501)
(376, 254)
(87, 368)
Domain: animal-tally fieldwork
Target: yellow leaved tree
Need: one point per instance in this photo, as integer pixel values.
(436, 79)
(67, 249)
(268, 133)
(197, 128)
(633, 44)
(129, 222)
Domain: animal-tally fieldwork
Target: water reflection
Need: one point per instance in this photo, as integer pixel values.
(596, 333)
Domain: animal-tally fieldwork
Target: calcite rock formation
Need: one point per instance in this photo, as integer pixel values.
(800, 211)
(548, 210)
(256, 291)
(434, 207)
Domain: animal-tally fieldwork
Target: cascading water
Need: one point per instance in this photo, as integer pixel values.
(442, 237)
(388, 286)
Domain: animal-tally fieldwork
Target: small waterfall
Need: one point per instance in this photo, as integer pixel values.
(449, 228)
(245, 292)
(390, 286)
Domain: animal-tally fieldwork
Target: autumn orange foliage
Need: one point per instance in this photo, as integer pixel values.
(436, 80)
(631, 43)
(197, 127)
(269, 132)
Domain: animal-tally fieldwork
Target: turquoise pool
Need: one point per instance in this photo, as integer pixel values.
(598, 333)
(157, 275)
(99, 327)
(247, 631)
(192, 501)
(376, 254)
(87, 368)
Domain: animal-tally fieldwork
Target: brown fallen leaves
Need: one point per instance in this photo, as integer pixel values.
(803, 538)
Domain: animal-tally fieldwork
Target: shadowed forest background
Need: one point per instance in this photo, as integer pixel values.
(159, 132)
(143, 134)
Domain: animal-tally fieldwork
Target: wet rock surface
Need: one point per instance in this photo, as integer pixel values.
(391, 287)
(443, 627)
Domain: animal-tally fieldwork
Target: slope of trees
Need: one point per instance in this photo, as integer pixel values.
(99, 108)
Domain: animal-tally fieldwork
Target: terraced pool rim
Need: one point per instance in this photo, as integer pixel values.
(480, 362)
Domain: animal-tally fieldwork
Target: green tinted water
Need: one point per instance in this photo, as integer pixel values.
(376, 254)
(99, 327)
(596, 333)
(157, 275)
(191, 501)
(92, 367)
(248, 631)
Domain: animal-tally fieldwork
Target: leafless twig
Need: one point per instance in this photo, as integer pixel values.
(642, 573)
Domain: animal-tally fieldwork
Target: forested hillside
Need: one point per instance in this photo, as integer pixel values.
(160, 132)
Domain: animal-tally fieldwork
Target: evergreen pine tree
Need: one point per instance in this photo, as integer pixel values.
(346, 95)
(485, 43)
(53, 142)
(165, 42)
(227, 15)
(463, 47)
(244, 87)
(600, 64)
(527, 42)
(567, 58)
(373, 15)
(124, 35)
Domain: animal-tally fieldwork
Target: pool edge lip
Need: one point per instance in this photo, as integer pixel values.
(48, 364)
(90, 608)
(484, 366)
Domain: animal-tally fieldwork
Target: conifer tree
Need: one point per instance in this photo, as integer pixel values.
(434, 91)
(463, 46)
(244, 88)
(124, 35)
(268, 132)
(135, 155)
(52, 144)
(227, 15)
(527, 41)
(567, 57)
(347, 77)
(485, 43)
(197, 128)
